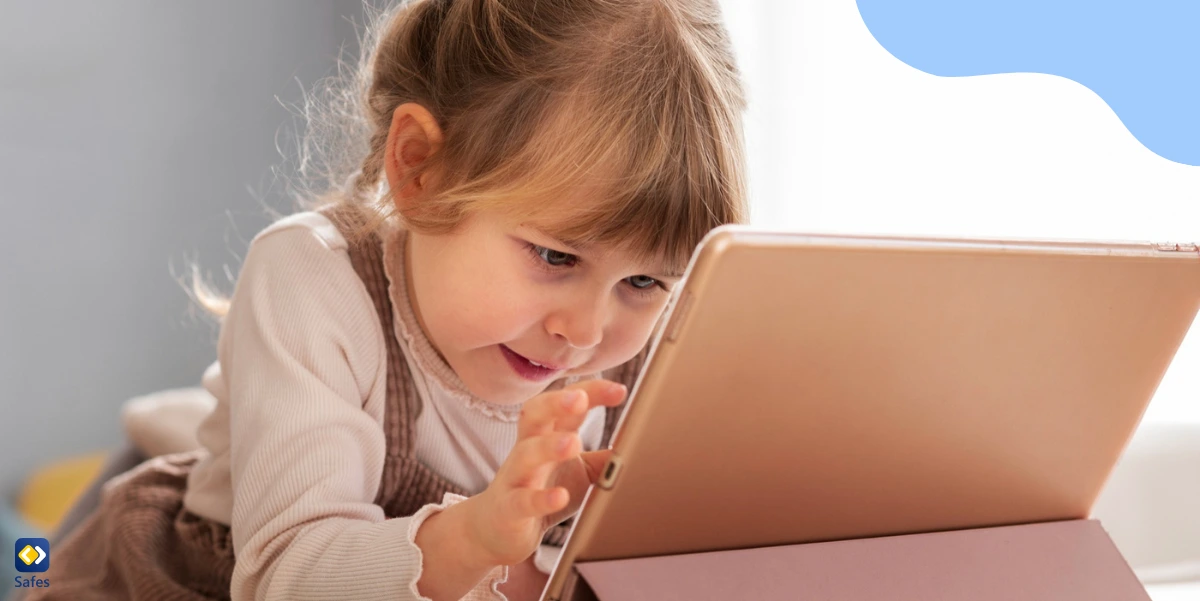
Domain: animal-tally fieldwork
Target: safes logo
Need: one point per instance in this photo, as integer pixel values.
(32, 555)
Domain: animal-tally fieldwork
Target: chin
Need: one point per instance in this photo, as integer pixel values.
(513, 392)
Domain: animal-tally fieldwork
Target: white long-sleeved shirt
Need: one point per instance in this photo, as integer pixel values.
(296, 442)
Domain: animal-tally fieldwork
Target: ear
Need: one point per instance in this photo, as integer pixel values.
(413, 136)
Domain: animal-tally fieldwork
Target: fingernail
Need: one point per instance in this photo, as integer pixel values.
(618, 388)
(569, 398)
(563, 444)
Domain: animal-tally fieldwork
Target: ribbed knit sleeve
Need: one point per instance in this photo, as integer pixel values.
(300, 351)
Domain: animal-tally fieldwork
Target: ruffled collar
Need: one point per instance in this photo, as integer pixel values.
(410, 333)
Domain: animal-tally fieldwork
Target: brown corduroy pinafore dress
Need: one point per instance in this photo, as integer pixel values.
(141, 544)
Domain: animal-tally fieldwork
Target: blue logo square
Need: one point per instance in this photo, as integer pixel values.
(32, 555)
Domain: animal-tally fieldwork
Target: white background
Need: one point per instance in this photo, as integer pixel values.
(845, 137)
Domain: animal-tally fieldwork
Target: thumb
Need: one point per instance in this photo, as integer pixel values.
(594, 461)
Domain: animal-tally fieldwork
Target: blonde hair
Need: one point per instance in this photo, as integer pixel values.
(619, 121)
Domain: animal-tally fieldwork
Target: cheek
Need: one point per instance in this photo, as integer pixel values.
(628, 336)
(487, 300)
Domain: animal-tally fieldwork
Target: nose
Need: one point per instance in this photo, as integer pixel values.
(580, 323)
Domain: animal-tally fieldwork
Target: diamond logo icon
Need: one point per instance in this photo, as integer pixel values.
(32, 555)
(28, 555)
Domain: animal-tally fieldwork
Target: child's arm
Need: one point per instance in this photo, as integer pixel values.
(300, 350)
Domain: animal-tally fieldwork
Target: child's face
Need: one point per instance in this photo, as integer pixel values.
(498, 298)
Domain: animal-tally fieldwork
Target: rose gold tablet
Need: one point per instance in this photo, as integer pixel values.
(815, 387)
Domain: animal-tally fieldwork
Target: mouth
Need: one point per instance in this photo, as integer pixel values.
(528, 368)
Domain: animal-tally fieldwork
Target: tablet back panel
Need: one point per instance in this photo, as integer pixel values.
(814, 388)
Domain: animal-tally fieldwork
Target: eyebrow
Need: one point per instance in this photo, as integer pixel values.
(577, 245)
(581, 247)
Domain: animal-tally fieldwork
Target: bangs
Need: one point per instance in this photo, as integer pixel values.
(629, 139)
(651, 181)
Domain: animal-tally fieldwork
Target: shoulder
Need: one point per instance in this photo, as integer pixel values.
(308, 230)
(299, 292)
(299, 267)
(301, 253)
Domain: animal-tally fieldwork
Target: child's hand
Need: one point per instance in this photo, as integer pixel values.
(544, 478)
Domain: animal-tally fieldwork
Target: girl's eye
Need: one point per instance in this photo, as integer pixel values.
(554, 257)
(641, 282)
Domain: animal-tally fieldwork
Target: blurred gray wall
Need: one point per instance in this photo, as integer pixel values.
(132, 135)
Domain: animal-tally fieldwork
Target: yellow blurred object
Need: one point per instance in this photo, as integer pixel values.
(51, 490)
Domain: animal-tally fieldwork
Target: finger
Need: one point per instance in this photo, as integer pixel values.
(525, 503)
(532, 460)
(540, 414)
(600, 393)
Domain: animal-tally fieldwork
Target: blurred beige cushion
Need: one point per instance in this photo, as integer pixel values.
(166, 422)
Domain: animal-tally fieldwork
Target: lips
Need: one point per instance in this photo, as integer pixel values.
(528, 368)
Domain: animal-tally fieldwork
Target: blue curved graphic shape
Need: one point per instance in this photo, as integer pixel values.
(1141, 56)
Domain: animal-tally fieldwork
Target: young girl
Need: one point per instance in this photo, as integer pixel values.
(415, 381)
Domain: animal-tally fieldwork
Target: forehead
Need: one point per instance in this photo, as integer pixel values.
(601, 215)
(618, 252)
